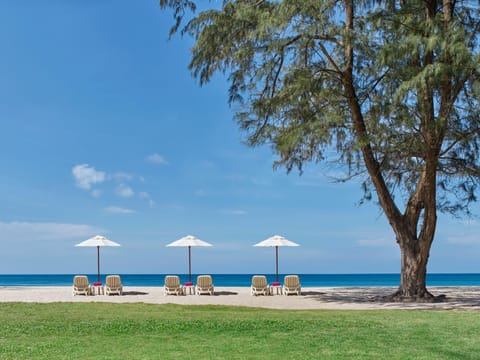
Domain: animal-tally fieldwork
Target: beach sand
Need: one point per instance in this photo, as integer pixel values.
(358, 298)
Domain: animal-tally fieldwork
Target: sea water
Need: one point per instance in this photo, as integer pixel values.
(307, 280)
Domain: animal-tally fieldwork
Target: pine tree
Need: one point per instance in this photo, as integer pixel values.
(392, 86)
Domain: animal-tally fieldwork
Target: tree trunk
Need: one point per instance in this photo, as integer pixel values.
(413, 274)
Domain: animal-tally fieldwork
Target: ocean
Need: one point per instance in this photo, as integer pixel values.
(307, 280)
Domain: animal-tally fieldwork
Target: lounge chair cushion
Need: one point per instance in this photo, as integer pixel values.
(113, 285)
(172, 285)
(81, 285)
(260, 285)
(204, 285)
(291, 285)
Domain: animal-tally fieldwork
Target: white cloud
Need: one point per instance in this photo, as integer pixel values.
(17, 231)
(234, 212)
(86, 176)
(118, 210)
(124, 191)
(157, 159)
(121, 176)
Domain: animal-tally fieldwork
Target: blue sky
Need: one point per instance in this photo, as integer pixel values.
(104, 131)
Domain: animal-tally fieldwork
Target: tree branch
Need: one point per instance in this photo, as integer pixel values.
(329, 58)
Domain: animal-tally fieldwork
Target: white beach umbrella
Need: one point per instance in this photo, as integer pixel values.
(276, 241)
(189, 241)
(98, 241)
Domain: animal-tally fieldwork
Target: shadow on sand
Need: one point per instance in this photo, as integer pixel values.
(445, 297)
(351, 295)
(225, 293)
(134, 293)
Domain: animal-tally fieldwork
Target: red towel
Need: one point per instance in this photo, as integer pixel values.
(97, 283)
(188, 283)
(276, 283)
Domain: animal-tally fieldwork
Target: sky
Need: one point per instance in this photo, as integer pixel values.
(104, 131)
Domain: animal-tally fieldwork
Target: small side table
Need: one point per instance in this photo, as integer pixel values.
(190, 288)
(276, 287)
(98, 289)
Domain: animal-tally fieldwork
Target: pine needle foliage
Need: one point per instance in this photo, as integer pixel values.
(285, 61)
(392, 86)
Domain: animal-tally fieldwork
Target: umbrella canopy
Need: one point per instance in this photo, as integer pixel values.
(189, 241)
(98, 241)
(276, 241)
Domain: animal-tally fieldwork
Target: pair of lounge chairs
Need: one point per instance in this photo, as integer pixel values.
(291, 285)
(113, 285)
(204, 285)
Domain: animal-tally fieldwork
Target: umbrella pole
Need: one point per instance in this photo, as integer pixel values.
(189, 264)
(98, 263)
(276, 263)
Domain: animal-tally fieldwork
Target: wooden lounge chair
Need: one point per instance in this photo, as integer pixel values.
(259, 285)
(204, 285)
(113, 285)
(172, 285)
(81, 285)
(291, 285)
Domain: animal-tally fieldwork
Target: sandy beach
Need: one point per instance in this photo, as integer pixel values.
(358, 298)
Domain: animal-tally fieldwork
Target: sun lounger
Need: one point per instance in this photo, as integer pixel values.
(113, 285)
(81, 285)
(172, 285)
(291, 285)
(204, 285)
(259, 285)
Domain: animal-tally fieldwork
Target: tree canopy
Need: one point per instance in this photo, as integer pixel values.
(392, 86)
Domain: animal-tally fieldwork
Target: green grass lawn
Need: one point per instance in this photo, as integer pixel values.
(140, 331)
